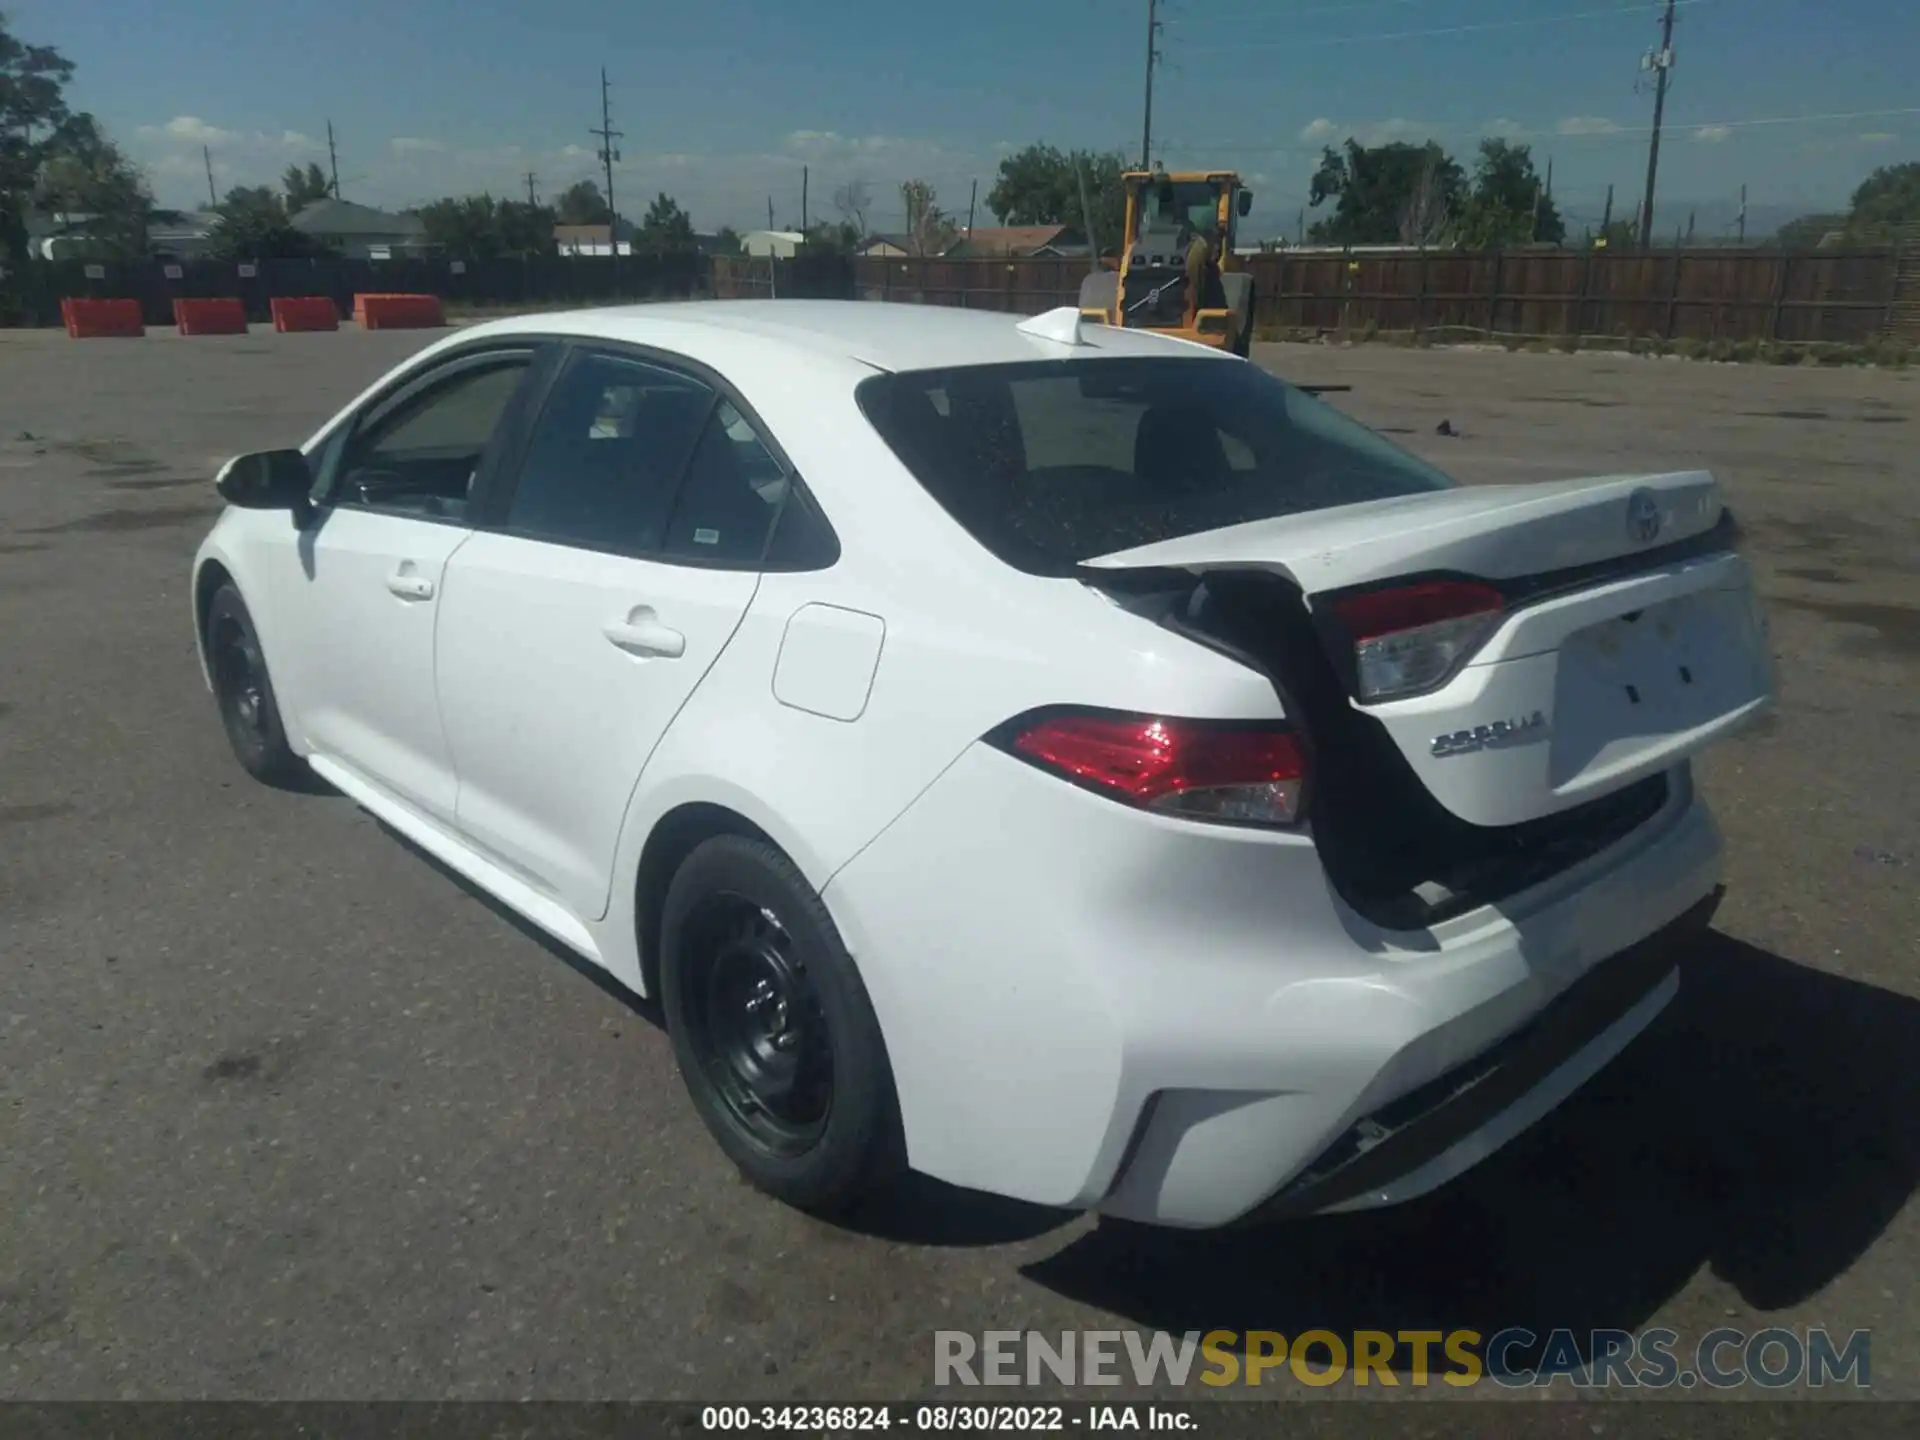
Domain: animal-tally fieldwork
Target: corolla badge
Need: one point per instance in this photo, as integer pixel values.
(1643, 516)
(1482, 737)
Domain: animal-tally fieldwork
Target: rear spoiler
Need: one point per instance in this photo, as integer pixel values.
(1322, 389)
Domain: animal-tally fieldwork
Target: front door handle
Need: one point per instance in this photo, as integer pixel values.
(409, 584)
(641, 633)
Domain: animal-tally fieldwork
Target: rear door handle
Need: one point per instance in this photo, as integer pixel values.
(409, 584)
(641, 633)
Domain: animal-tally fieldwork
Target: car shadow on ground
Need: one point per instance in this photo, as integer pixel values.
(1765, 1127)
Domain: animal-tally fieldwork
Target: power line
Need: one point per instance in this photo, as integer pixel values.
(1610, 133)
(1302, 42)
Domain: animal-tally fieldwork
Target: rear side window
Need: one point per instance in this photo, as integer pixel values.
(1052, 464)
(732, 491)
(605, 457)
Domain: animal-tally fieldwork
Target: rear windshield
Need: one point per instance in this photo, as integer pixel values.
(1058, 462)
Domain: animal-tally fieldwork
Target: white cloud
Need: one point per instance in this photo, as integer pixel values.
(1712, 134)
(414, 145)
(188, 129)
(1511, 129)
(294, 140)
(1318, 132)
(1877, 137)
(1586, 125)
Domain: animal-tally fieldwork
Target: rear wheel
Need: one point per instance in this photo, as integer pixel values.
(244, 690)
(1243, 342)
(775, 1037)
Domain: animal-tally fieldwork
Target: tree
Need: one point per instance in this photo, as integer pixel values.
(82, 172)
(828, 238)
(1508, 204)
(1040, 185)
(726, 241)
(479, 227)
(303, 187)
(1374, 189)
(581, 203)
(666, 229)
(1807, 231)
(852, 201)
(33, 108)
(253, 226)
(1886, 200)
(929, 229)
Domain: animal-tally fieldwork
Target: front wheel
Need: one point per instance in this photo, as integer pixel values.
(1243, 342)
(774, 1034)
(248, 709)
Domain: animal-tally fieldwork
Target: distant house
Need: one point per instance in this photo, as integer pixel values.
(360, 232)
(780, 243)
(593, 239)
(1017, 242)
(171, 235)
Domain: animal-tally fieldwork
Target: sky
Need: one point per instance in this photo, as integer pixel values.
(723, 102)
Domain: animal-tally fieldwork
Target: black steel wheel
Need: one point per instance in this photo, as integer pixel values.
(244, 691)
(774, 1034)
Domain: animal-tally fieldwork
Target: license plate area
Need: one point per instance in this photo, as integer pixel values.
(1639, 682)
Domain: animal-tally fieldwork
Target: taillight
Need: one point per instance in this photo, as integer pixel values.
(1413, 637)
(1248, 774)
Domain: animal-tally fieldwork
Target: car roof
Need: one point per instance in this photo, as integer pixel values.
(876, 334)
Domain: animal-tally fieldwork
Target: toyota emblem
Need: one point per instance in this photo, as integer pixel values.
(1643, 516)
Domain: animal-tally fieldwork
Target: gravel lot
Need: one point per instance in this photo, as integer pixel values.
(289, 1113)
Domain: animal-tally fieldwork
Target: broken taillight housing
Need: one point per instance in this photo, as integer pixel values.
(1413, 638)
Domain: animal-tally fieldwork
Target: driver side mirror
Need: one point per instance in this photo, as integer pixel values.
(266, 480)
(1244, 204)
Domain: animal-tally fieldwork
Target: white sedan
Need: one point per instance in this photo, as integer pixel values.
(1072, 763)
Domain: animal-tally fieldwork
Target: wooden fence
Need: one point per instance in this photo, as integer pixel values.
(1707, 294)
(1804, 296)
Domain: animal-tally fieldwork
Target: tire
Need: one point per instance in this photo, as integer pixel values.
(775, 1037)
(244, 691)
(1243, 342)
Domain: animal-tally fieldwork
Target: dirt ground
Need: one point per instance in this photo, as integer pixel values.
(288, 1113)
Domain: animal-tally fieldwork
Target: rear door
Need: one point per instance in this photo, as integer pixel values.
(622, 558)
(1527, 648)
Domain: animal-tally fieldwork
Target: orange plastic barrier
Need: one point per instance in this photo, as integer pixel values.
(95, 319)
(304, 312)
(398, 312)
(210, 317)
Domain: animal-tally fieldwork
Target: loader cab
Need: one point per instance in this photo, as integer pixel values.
(1166, 212)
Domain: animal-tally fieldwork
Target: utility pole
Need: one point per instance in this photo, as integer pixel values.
(1153, 55)
(608, 154)
(803, 199)
(333, 160)
(1743, 214)
(1606, 216)
(1661, 63)
(212, 198)
(769, 212)
(533, 198)
(976, 195)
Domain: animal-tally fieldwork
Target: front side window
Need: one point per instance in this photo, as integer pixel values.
(1056, 463)
(419, 454)
(606, 455)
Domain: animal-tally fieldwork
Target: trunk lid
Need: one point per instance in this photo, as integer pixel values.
(1628, 637)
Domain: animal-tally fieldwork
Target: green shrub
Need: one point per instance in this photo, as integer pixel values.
(1721, 350)
(1746, 351)
(1692, 349)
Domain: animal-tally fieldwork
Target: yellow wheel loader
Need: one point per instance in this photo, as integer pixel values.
(1166, 213)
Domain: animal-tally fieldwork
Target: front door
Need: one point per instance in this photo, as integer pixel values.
(571, 635)
(362, 600)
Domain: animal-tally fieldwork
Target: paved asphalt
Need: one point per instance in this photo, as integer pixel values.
(289, 1113)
